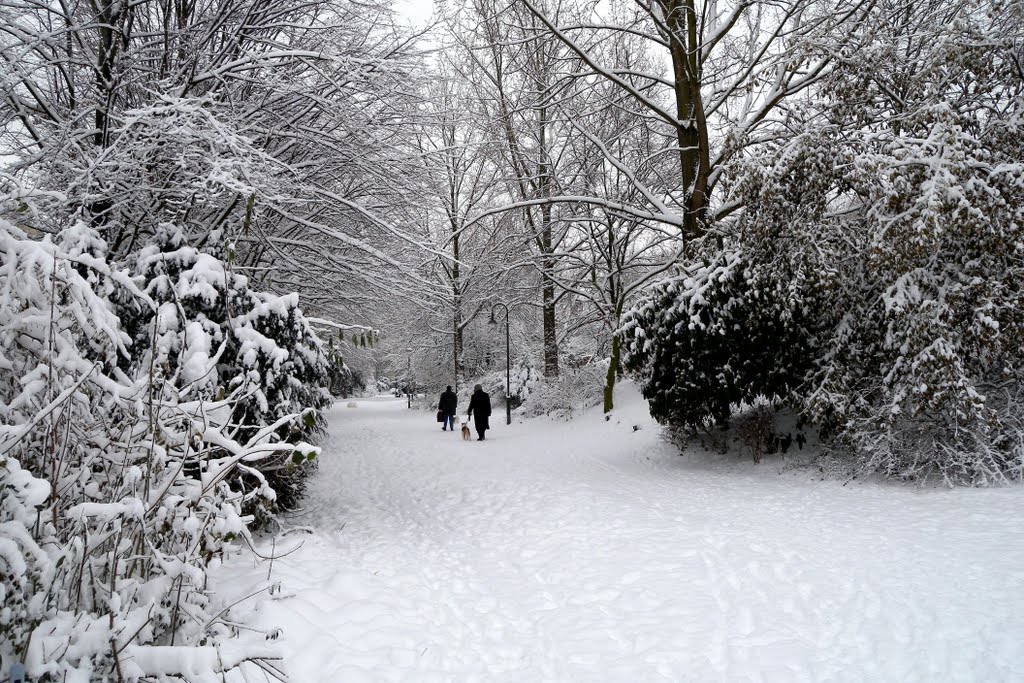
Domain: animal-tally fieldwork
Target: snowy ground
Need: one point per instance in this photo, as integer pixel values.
(586, 551)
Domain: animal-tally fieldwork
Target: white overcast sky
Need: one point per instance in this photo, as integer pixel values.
(416, 12)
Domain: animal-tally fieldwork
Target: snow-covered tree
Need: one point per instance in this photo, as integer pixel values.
(734, 68)
(279, 129)
(887, 224)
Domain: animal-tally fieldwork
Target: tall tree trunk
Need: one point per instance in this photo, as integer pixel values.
(547, 261)
(615, 296)
(550, 332)
(457, 333)
(547, 264)
(692, 129)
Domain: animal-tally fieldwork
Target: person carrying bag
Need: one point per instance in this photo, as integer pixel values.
(446, 409)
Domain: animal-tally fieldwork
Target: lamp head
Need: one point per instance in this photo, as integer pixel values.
(492, 320)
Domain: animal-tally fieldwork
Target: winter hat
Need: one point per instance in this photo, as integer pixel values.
(449, 387)
(478, 388)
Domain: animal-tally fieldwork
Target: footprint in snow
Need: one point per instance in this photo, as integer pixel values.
(745, 621)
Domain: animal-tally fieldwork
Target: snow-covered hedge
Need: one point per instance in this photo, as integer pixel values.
(142, 416)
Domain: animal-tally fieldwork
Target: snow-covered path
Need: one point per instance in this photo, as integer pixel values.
(586, 551)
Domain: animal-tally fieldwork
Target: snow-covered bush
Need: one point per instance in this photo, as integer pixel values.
(713, 337)
(756, 430)
(923, 362)
(384, 385)
(28, 588)
(524, 380)
(119, 476)
(574, 390)
(917, 231)
(342, 381)
(217, 337)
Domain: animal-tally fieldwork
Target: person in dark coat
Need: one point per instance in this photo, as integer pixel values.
(448, 407)
(480, 403)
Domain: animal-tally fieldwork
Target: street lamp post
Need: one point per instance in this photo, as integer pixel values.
(408, 377)
(508, 365)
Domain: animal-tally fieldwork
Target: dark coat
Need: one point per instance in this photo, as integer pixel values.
(449, 403)
(480, 403)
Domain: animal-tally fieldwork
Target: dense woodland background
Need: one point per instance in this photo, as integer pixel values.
(215, 214)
